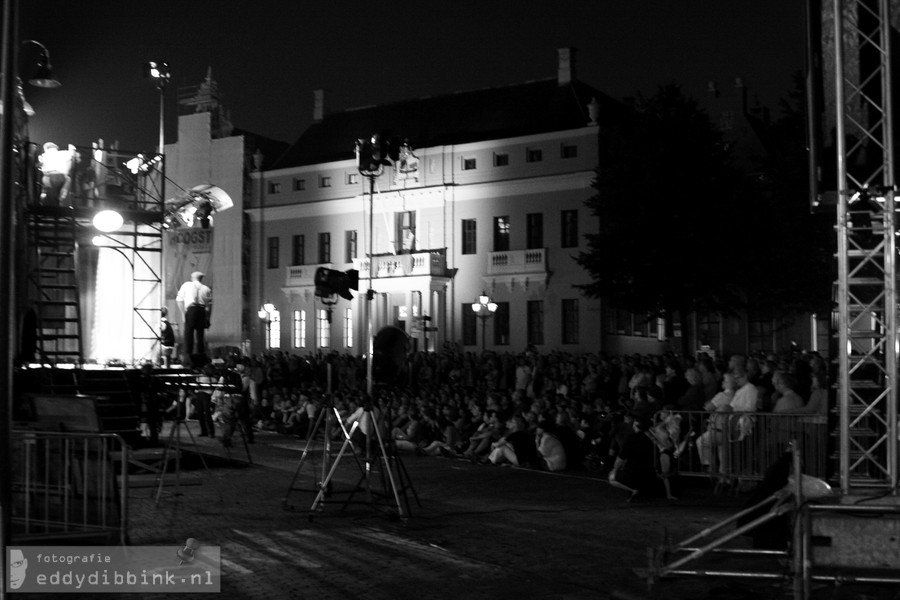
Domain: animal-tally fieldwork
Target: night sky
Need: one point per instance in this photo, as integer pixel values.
(268, 56)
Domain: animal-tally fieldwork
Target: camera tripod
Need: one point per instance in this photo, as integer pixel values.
(174, 440)
(394, 484)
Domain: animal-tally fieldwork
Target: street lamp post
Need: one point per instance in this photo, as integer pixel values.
(484, 309)
(265, 315)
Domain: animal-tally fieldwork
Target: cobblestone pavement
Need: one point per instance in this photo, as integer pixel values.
(481, 531)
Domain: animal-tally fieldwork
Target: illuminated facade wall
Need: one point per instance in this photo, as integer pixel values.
(505, 216)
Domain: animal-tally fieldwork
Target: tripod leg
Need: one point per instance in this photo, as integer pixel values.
(161, 475)
(310, 437)
(387, 466)
(347, 443)
(194, 442)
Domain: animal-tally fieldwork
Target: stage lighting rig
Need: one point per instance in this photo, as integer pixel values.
(194, 207)
(330, 282)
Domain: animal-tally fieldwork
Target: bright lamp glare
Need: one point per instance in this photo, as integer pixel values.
(108, 221)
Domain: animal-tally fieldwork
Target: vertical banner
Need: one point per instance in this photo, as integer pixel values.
(186, 251)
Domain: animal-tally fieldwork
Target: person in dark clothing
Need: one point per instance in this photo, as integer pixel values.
(635, 468)
(517, 446)
(151, 394)
(202, 400)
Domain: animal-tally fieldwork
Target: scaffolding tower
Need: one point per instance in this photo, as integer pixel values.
(57, 274)
(867, 253)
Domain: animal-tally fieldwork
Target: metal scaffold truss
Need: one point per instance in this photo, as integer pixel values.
(867, 252)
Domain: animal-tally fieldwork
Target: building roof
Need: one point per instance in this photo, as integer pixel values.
(523, 109)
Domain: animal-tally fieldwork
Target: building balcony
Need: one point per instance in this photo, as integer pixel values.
(392, 265)
(417, 264)
(517, 262)
(518, 267)
(302, 275)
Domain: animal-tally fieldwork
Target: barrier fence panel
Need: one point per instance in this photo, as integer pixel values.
(742, 446)
(65, 486)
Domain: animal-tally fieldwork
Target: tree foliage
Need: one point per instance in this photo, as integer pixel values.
(682, 228)
(667, 210)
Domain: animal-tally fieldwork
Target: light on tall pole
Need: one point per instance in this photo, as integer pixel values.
(484, 309)
(160, 74)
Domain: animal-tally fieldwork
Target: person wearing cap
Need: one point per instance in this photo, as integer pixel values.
(195, 300)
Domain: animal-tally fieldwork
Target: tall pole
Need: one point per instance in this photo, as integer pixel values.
(370, 294)
(483, 330)
(7, 275)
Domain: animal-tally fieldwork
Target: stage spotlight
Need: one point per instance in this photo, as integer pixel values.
(196, 206)
(108, 221)
(158, 71)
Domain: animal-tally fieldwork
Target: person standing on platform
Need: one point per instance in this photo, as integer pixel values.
(166, 339)
(56, 167)
(195, 300)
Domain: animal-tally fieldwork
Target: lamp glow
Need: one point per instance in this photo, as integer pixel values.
(108, 221)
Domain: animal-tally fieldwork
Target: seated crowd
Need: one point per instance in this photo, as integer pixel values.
(556, 411)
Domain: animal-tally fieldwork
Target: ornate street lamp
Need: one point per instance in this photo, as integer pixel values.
(484, 309)
(265, 315)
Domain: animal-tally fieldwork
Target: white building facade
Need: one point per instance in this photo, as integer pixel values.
(491, 202)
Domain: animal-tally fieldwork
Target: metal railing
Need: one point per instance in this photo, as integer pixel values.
(64, 486)
(741, 446)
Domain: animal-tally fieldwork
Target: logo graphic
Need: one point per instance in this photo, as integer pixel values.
(18, 564)
(186, 554)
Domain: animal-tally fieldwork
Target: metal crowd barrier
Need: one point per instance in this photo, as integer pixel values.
(64, 486)
(742, 446)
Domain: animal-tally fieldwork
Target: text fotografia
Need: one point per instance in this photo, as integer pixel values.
(190, 566)
(75, 558)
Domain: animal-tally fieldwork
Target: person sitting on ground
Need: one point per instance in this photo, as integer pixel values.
(550, 449)
(635, 468)
(516, 447)
(480, 441)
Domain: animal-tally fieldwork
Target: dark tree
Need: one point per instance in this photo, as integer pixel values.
(795, 265)
(684, 229)
(670, 218)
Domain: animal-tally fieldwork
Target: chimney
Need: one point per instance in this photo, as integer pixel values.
(318, 105)
(565, 73)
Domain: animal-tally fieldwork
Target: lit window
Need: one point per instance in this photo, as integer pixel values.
(299, 329)
(501, 234)
(323, 329)
(352, 178)
(324, 181)
(274, 327)
(348, 328)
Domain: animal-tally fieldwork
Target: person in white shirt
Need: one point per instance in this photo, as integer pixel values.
(195, 300)
(56, 166)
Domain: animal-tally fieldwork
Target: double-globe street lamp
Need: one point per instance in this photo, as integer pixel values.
(484, 309)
